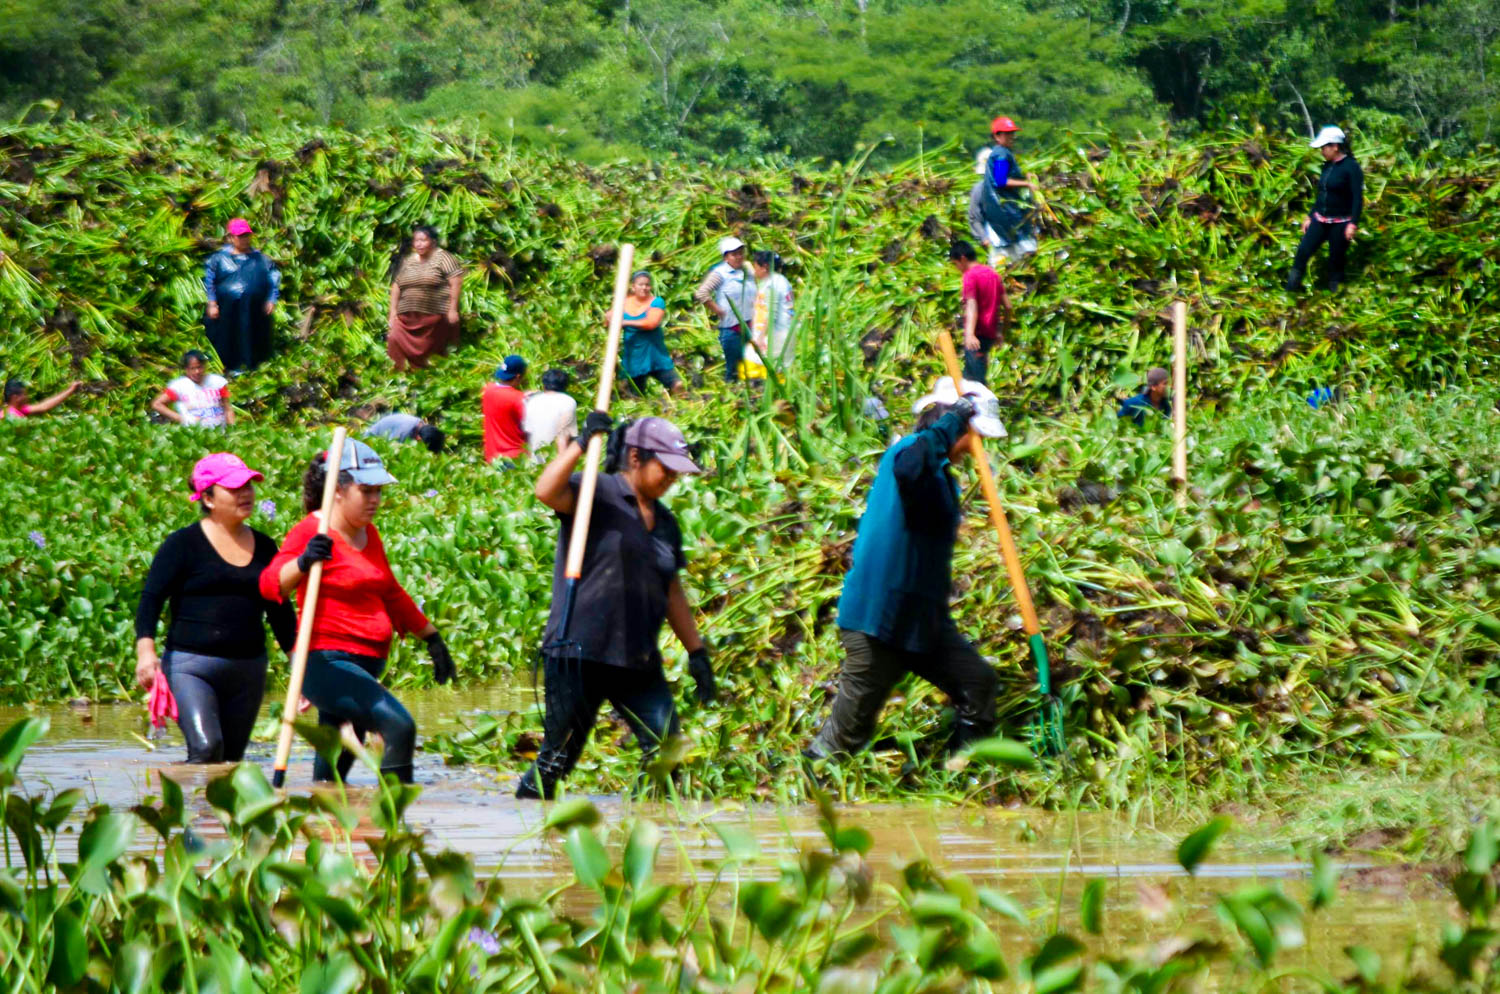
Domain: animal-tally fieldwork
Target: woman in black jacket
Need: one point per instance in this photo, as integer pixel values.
(1335, 214)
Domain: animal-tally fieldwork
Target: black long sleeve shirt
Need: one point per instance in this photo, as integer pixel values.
(1341, 190)
(217, 609)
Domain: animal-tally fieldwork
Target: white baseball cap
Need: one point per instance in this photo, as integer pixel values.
(364, 464)
(728, 244)
(1328, 136)
(986, 419)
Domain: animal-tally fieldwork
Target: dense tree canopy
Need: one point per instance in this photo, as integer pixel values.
(740, 79)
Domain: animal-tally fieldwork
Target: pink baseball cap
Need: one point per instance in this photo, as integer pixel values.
(224, 468)
(239, 226)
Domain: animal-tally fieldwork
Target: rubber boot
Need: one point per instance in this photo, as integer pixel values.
(1294, 281)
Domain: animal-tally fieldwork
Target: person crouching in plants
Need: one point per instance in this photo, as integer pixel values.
(15, 400)
(361, 607)
(215, 660)
(400, 427)
(893, 614)
(629, 586)
(1153, 399)
(197, 397)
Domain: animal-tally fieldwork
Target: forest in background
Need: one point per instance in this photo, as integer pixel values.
(742, 82)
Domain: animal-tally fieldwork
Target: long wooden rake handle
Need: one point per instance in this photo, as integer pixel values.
(1179, 398)
(573, 568)
(305, 621)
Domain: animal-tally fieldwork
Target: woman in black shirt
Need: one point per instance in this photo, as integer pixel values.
(1335, 214)
(628, 587)
(215, 660)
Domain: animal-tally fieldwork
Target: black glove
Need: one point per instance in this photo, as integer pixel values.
(442, 660)
(964, 408)
(597, 423)
(703, 676)
(319, 549)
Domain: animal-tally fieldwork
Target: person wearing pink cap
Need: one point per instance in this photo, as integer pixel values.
(209, 574)
(628, 588)
(242, 287)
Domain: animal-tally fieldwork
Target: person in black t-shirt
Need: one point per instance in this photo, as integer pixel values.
(215, 660)
(1335, 215)
(628, 588)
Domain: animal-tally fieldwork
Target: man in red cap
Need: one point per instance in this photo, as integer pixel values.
(242, 286)
(1007, 216)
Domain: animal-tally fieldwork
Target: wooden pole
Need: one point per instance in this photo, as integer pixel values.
(1179, 399)
(305, 621)
(573, 569)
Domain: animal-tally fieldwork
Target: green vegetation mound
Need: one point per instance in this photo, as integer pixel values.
(1327, 589)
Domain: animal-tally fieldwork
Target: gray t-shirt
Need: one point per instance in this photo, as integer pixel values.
(627, 571)
(397, 427)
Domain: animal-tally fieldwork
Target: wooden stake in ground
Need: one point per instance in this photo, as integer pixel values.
(1179, 399)
(305, 621)
(573, 568)
(1049, 729)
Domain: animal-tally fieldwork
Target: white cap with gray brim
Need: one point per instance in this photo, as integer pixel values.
(1328, 136)
(364, 464)
(986, 419)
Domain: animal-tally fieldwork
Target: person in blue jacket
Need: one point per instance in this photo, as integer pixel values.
(242, 286)
(893, 613)
(1153, 399)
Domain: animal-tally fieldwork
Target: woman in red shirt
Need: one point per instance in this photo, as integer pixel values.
(361, 606)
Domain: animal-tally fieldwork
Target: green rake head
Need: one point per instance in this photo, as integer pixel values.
(1048, 736)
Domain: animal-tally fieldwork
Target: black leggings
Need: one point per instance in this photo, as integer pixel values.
(575, 689)
(217, 702)
(345, 688)
(1338, 248)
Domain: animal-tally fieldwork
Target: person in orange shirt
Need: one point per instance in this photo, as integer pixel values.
(504, 406)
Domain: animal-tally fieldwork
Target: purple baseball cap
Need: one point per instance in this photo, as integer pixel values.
(664, 440)
(224, 468)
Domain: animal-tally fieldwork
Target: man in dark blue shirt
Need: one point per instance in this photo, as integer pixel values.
(1153, 399)
(893, 614)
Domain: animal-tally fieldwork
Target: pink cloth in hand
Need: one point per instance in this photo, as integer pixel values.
(161, 703)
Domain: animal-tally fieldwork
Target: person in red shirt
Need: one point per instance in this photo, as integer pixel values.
(984, 297)
(361, 607)
(504, 406)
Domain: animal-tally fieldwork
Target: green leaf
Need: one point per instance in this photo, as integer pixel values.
(1173, 553)
(133, 967)
(1194, 849)
(640, 853)
(590, 861)
(1091, 907)
(70, 950)
(1483, 849)
(15, 741)
(1004, 904)
(1366, 961)
(1003, 752)
(574, 811)
(851, 838)
(1252, 925)
(1325, 880)
(739, 840)
(103, 840)
(62, 805)
(331, 974)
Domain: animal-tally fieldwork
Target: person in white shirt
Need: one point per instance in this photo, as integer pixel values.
(197, 397)
(551, 415)
(772, 327)
(729, 294)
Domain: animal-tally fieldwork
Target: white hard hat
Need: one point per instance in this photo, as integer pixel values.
(986, 419)
(728, 244)
(1328, 136)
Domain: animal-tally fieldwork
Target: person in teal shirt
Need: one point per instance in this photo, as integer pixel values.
(893, 613)
(643, 350)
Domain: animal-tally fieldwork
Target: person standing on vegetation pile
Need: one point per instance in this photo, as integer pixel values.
(551, 415)
(242, 287)
(361, 607)
(729, 294)
(197, 397)
(772, 327)
(405, 428)
(629, 586)
(893, 613)
(983, 298)
(1005, 213)
(17, 408)
(643, 348)
(1153, 398)
(504, 408)
(426, 284)
(215, 661)
(1335, 214)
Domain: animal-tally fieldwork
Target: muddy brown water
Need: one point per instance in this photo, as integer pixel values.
(1034, 856)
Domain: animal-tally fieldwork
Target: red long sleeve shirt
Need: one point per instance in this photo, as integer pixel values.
(361, 606)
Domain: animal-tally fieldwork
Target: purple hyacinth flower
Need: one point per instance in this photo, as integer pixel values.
(268, 508)
(484, 940)
(429, 493)
(37, 539)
